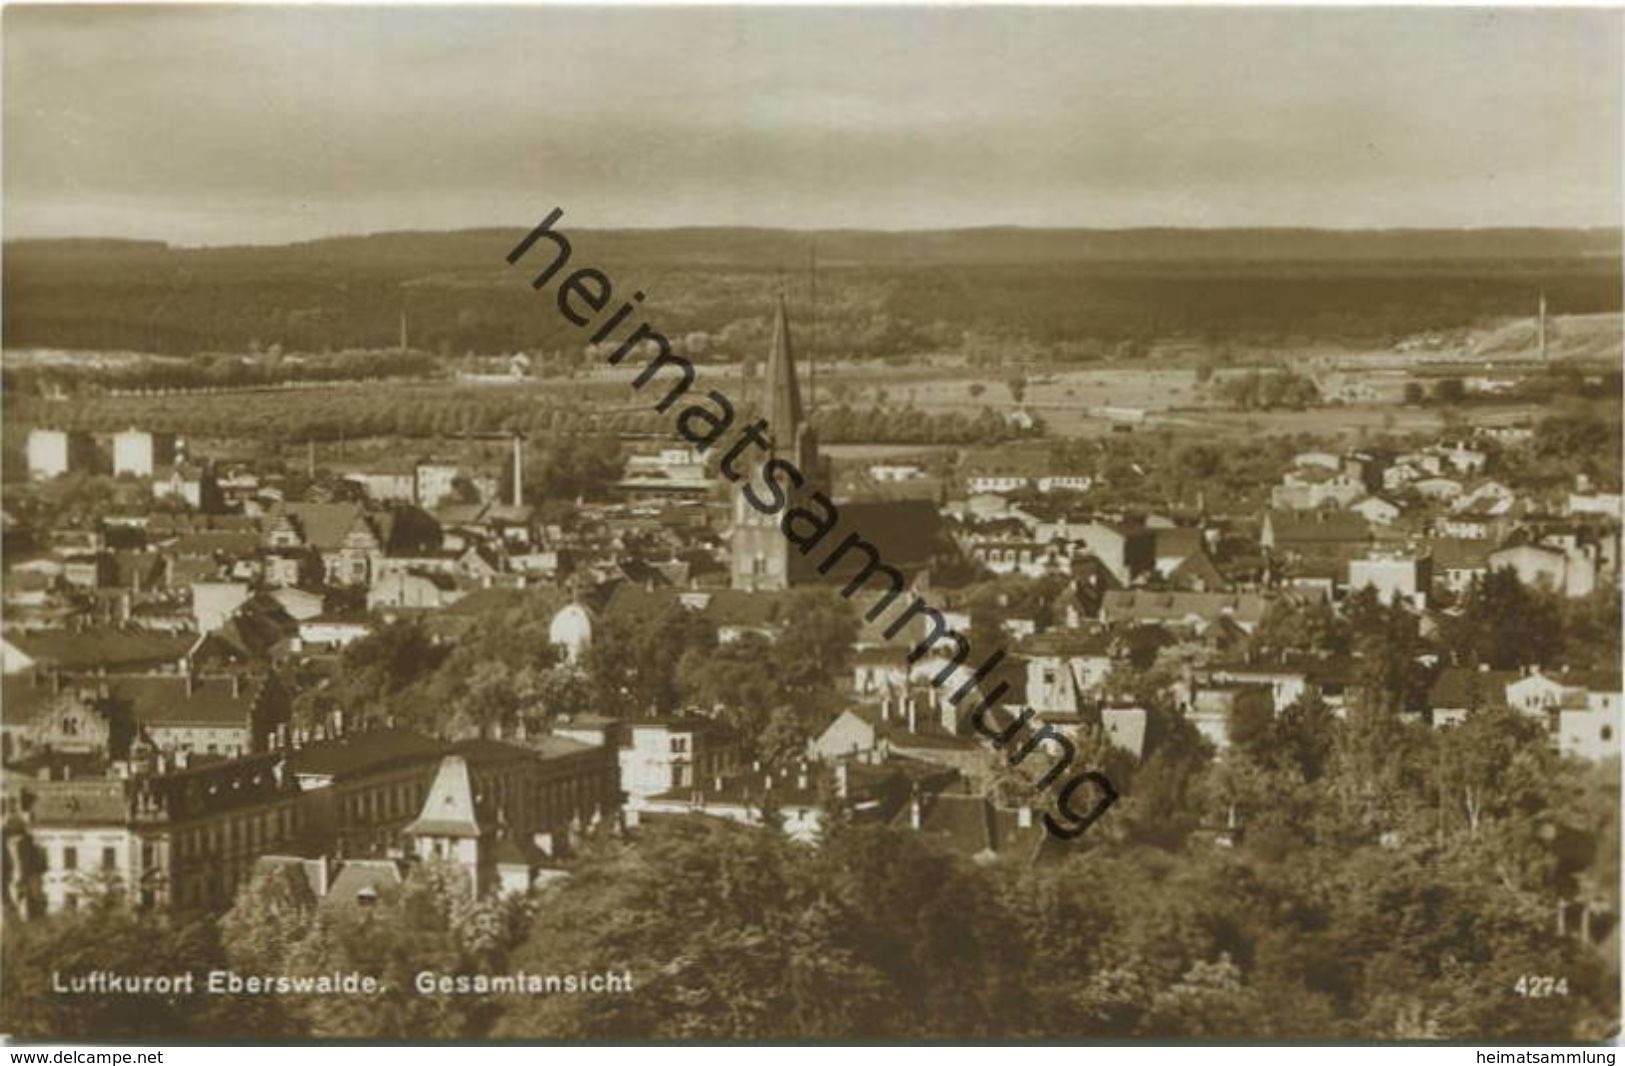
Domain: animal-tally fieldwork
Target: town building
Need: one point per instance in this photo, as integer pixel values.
(140, 453)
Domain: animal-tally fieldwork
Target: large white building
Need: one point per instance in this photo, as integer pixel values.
(138, 452)
(54, 452)
(1395, 577)
(662, 754)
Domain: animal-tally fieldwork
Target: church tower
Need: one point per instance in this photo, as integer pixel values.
(762, 558)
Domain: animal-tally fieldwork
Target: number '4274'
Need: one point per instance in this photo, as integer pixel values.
(1540, 986)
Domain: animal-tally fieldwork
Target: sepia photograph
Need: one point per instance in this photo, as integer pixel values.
(802, 525)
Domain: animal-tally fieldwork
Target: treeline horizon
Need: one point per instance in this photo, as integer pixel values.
(969, 244)
(1071, 294)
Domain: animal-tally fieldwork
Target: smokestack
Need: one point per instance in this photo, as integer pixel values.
(518, 470)
(1542, 325)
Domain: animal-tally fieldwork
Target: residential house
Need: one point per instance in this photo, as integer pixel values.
(1182, 609)
(661, 755)
(1458, 561)
(1064, 668)
(1397, 576)
(1377, 510)
(748, 797)
(1460, 690)
(1569, 571)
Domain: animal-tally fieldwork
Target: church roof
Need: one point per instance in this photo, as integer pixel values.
(780, 394)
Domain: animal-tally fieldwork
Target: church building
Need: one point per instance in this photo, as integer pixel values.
(763, 559)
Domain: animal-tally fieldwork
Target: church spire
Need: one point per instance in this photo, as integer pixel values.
(781, 396)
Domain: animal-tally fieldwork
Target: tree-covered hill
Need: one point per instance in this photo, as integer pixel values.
(879, 293)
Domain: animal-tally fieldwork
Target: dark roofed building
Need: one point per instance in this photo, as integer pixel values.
(1459, 690)
(90, 650)
(1308, 532)
(971, 825)
(233, 715)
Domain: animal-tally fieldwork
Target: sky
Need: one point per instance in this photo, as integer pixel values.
(210, 125)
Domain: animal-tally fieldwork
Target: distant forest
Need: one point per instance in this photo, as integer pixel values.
(1076, 293)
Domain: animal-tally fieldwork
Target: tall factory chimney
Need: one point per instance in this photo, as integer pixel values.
(1542, 326)
(518, 469)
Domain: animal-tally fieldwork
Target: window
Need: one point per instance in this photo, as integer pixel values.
(679, 744)
(109, 858)
(1607, 733)
(70, 858)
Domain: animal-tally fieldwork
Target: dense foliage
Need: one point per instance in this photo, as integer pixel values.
(1387, 882)
(879, 294)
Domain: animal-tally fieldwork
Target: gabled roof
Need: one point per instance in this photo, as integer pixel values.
(1125, 727)
(115, 649)
(1121, 605)
(89, 802)
(165, 523)
(360, 879)
(358, 754)
(1460, 553)
(1318, 526)
(1595, 680)
(906, 533)
(1196, 569)
(309, 870)
(748, 788)
(168, 700)
(218, 542)
(971, 825)
(740, 607)
(23, 697)
(323, 525)
(1179, 542)
(1465, 686)
(1065, 643)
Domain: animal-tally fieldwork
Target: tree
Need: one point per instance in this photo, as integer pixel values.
(1251, 722)
(1299, 625)
(634, 658)
(1387, 644)
(1449, 391)
(104, 935)
(1504, 625)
